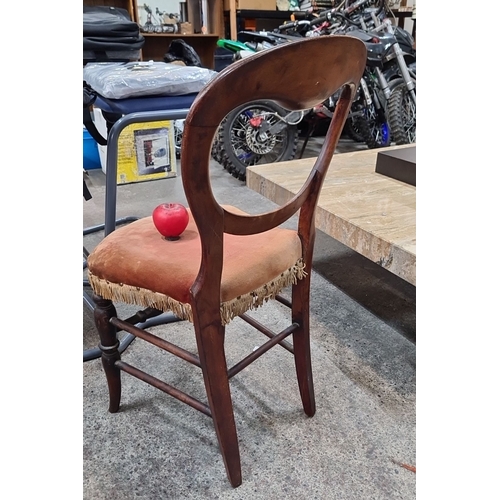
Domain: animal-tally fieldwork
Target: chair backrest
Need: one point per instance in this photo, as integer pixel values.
(297, 75)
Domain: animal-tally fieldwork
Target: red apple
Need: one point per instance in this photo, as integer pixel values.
(170, 219)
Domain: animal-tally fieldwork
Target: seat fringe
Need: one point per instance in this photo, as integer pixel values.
(229, 310)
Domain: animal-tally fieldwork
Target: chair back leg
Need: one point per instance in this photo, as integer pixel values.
(301, 344)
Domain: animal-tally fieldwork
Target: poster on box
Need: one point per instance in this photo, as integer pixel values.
(146, 152)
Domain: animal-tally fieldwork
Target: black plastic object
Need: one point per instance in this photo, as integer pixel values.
(89, 96)
(223, 58)
(179, 50)
(400, 164)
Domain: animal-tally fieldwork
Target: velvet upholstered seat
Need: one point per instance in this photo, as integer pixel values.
(227, 261)
(255, 267)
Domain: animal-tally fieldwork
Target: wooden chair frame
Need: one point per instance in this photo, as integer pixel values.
(298, 76)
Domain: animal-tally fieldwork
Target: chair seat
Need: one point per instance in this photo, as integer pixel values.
(135, 264)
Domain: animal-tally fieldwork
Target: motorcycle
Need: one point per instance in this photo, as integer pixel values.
(402, 101)
(399, 73)
(385, 108)
(259, 131)
(368, 120)
(398, 79)
(263, 132)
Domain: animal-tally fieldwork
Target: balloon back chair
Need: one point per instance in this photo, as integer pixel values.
(227, 261)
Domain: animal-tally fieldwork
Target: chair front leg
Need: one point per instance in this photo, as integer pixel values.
(103, 312)
(210, 341)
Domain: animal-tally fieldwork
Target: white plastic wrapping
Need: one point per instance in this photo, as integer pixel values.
(135, 79)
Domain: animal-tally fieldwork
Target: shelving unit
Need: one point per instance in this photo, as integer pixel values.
(122, 4)
(222, 24)
(157, 44)
(246, 19)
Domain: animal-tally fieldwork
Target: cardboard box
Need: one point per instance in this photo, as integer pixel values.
(252, 4)
(400, 164)
(186, 29)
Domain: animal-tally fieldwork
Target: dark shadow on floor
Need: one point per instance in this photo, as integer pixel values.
(385, 295)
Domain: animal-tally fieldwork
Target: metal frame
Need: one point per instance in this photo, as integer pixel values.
(110, 221)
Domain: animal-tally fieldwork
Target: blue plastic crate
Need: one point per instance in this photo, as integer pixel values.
(91, 158)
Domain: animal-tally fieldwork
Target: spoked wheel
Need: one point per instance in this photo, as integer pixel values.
(402, 115)
(254, 134)
(352, 131)
(216, 150)
(373, 127)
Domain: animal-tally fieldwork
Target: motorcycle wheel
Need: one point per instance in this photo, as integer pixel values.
(178, 133)
(375, 132)
(352, 131)
(402, 115)
(216, 151)
(240, 143)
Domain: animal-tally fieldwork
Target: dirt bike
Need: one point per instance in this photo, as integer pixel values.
(368, 119)
(397, 77)
(386, 107)
(402, 102)
(258, 131)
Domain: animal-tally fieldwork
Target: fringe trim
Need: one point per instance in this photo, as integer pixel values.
(228, 310)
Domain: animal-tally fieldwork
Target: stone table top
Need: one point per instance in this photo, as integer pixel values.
(370, 213)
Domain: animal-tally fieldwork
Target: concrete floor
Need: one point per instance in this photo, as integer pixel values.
(363, 328)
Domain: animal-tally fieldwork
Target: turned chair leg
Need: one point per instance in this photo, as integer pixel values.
(213, 362)
(103, 312)
(301, 344)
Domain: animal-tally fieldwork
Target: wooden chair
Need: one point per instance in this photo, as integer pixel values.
(227, 261)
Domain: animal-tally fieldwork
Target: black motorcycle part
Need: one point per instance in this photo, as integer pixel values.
(405, 40)
(355, 9)
(375, 134)
(373, 125)
(242, 144)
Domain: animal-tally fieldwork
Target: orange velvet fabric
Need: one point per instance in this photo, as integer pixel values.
(137, 255)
